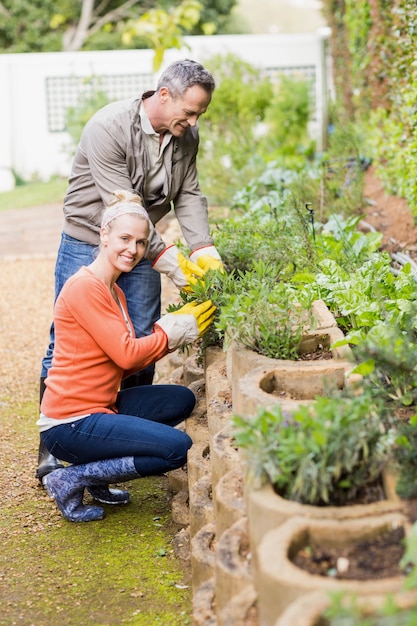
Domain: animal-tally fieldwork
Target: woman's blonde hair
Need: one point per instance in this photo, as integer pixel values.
(123, 203)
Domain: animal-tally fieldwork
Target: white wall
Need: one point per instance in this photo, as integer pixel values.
(30, 148)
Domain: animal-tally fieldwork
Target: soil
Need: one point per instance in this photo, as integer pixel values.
(361, 560)
(391, 216)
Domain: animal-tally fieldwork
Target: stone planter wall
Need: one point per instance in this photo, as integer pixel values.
(220, 503)
(233, 563)
(217, 522)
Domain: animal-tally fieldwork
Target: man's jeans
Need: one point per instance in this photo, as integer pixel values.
(143, 428)
(141, 286)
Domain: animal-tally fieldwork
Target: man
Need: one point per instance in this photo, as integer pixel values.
(148, 145)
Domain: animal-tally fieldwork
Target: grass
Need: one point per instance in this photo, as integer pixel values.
(33, 194)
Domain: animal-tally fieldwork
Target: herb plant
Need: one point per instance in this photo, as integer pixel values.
(274, 229)
(387, 360)
(405, 457)
(322, 453)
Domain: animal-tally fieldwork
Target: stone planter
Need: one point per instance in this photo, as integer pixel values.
(180, 508)
(241, 609)
(279, 582)
(196, 425)
(232, 565)
(193, 370)
(224, 455)
(308, 610)
(288, 383)
(198, 462)
(204, 613)
(257, 380)
(218, 391)
(229, 501)
(201, 504)
(267, 510)
(178, 479)
(203, 555)
(240, 360)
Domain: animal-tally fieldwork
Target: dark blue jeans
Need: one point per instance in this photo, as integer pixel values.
(143, 428)
(141, 286)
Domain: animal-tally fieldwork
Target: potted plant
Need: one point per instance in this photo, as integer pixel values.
(325, 459)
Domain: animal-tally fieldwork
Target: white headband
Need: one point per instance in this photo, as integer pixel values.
(123, 208)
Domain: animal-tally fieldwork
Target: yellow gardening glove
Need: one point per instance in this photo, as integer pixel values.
(190, 270)
(207, 262)
(207, 258)
(187, 324)
(178, 268)
(203, 313)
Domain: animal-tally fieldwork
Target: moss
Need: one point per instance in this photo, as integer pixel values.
(121, 570)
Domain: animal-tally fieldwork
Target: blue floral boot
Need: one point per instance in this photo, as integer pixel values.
(108, 495)
(67, 485)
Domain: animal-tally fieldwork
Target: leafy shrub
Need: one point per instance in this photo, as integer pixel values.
(249, 122)
(254, 309)
(275, 229)
(264, 317)
(405, 455)
(365, 297)
(90, 101)
(387, 360)
(322, 453)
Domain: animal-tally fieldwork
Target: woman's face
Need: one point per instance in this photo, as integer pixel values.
(125, 243)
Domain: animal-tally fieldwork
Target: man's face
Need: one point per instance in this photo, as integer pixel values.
(180, 113)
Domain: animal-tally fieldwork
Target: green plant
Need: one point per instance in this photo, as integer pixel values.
(287, 119)
(322, 453)
(386, 360)
(33, 194)
(345, 611)
(362, 298)
(405, 457)
(274, 229)
(214, 286)
(228, 141)
(90, 100)
(265, 317)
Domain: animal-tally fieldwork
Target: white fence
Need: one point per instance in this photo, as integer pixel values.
(38, 88)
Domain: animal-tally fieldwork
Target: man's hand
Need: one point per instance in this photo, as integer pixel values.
(178, 268)
(207, 258)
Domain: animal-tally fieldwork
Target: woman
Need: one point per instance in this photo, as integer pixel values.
(105, 434)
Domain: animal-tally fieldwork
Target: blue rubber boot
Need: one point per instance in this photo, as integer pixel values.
(109, 495)
(67, 485)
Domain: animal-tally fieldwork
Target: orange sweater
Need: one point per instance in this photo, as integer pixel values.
(93, 349)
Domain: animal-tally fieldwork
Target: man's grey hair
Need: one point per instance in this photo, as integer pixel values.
(181, 75)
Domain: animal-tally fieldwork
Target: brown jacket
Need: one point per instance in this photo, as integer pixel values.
(111, 156)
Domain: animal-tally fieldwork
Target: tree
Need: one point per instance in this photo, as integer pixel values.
(95, 15)
(165, 29)
(68, 25)
(25, 26)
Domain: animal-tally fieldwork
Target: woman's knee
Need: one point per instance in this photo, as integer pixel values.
(185, 400)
